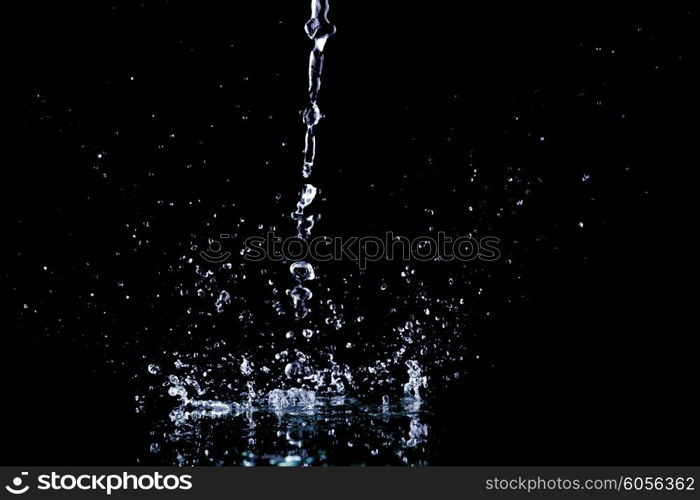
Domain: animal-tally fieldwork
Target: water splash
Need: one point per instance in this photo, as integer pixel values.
(416, 379)
(281, 399)
(245, 368)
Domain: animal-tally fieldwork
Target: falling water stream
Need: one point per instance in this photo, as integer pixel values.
(337, 387)
(319, 29)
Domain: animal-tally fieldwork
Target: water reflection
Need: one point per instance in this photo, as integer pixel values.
(330, 431)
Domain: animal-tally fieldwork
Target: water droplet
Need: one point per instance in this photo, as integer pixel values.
(302, 271)
(293, 369)
(224, 299)
(312, 115)
(308, 193)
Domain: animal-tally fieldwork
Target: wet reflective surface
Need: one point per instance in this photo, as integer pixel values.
(330, 431)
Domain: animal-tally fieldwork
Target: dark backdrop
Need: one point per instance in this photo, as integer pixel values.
(595, 365)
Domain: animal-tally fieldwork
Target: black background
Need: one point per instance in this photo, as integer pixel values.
(596, 366)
